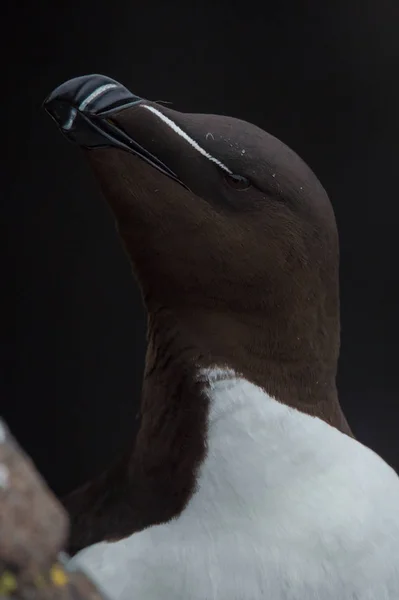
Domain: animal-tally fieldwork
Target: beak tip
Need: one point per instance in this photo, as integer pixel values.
(89, 95)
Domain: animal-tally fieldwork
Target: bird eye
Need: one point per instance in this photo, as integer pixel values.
(238, 182)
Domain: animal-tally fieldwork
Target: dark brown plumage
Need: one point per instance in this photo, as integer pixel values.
(244, 276)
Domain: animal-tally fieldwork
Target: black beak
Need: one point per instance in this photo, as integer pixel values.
(83, 108)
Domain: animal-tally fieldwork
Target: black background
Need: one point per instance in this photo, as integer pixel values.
(321, 76)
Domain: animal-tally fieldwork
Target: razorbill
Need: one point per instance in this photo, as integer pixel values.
(244, 481)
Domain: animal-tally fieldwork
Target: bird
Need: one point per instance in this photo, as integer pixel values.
(245, 481)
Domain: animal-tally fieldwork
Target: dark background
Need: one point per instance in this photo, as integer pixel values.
(322, 76)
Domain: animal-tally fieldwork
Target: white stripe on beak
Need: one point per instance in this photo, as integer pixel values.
(95, 94)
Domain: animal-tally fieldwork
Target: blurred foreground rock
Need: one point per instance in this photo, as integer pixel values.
(33, 532)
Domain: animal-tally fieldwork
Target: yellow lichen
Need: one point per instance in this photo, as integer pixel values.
(58, 576)
(8, 583)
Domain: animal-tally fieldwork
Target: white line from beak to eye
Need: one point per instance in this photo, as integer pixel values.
(97, 92)
(186, 137)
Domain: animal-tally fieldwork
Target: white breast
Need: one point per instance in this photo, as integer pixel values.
(287, 508)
